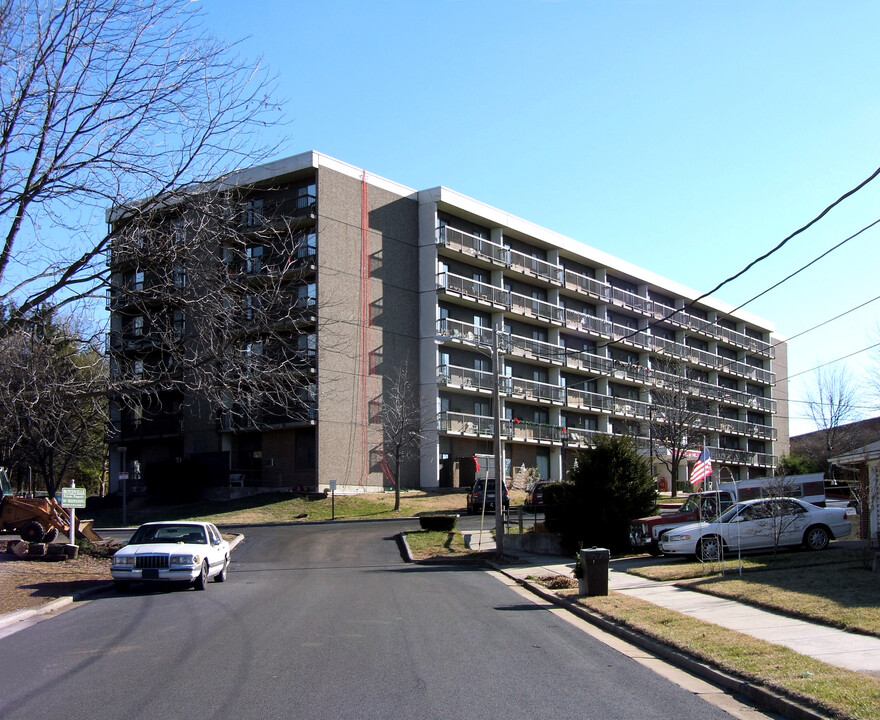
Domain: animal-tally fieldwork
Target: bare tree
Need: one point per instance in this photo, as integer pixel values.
(678, 416)
(832, 404)
(105, 103)
(213, 304)
(401, 420)
(51, 400)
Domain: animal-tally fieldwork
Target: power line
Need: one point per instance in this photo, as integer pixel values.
(809, 264)
(836, 317)
(781, 244)
(830, 362)
(763, 257)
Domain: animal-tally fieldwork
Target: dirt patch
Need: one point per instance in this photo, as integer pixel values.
(28, 583)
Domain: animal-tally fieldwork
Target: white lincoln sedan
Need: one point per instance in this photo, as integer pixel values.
(757, 525)
(172, 552)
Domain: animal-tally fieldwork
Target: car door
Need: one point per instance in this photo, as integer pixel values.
(793, 519)
(216, 551)
(754, 528)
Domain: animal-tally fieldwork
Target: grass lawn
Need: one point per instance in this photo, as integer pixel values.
(839, 692)
(833, 587)
(284, 507)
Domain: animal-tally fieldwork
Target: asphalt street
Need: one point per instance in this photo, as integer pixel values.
(321, 621)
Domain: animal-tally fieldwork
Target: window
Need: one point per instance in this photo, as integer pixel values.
(307, 344)
(139, 369)
(307, 246)
(305, 295)
(137, 280)
(255, 259)
(137, 325)
(178, 323)
(179, 277)
(251, 307)
(254, 213)
(178, 230)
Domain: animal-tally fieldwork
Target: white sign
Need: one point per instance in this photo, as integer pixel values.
(73, 497)
(123, 476)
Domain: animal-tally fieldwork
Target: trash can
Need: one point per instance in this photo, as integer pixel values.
(595, 563)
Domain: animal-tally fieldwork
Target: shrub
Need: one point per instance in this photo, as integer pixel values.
(610, 485)
(438, 523)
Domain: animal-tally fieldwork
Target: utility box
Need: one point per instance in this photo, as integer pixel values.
(595, 565)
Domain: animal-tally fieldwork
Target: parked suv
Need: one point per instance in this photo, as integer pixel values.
(475, 497)
(535, 497)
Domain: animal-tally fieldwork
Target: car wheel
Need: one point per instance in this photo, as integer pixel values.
(201, 582)
(816, 538)
(653, 550)
(31, 531)
(121, 586)
(221, 576)
(709, 548)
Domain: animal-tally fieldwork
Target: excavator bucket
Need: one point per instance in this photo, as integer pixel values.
(84, 529)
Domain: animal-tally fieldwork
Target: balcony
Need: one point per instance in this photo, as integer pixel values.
(533, 266)
(532, 307)
(532, 390)
(254, 418)
(466, 424)
(458, 330)
(466, 378)
(474, 290)
(261, 213)
(734, 456)
(587, 323)
(587, 285)
(494, 253)
(583, 399)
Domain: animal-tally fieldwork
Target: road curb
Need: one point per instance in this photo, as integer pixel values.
(761, 696)
(46, 608)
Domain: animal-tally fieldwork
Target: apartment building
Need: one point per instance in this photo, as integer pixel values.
(463, 297)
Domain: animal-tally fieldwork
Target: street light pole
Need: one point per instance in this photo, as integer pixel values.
(496, 437)
(123, 478)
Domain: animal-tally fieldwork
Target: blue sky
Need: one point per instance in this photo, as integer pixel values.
(686, 137)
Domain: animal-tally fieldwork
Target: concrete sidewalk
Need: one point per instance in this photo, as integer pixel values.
(860, 653)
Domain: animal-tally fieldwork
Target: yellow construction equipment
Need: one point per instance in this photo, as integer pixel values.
(37, 519)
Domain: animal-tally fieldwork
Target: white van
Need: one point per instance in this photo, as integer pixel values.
(809, 488)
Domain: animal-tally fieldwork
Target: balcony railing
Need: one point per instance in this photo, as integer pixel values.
(472, 245)
(587, 323)
(587, 285)
(533, 266)
(532, 389)
(474, 289)
(465, 377)
(536, 308)
(456, 329)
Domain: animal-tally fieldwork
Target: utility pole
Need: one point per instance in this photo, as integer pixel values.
(499, 454)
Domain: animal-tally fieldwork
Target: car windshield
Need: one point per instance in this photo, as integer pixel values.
(169, 533)
(731, 513)
(690, 505)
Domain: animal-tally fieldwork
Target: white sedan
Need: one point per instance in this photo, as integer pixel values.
(759, 524)
(172, 552)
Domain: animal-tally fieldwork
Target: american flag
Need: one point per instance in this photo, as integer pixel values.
(702, 468)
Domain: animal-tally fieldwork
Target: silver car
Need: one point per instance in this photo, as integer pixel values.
(757, 525)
